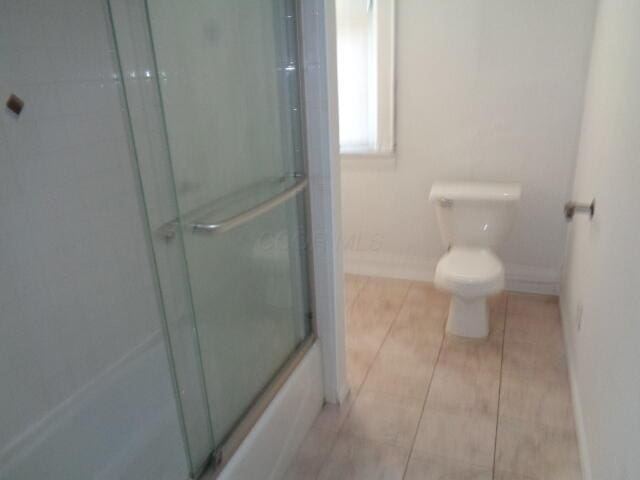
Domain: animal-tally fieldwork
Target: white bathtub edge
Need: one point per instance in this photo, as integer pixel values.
(272, 443)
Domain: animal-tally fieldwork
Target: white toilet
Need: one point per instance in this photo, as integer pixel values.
(473, 218)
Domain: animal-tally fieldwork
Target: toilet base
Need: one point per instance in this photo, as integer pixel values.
(468, 317)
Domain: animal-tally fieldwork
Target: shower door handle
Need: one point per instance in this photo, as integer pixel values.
(243, 217)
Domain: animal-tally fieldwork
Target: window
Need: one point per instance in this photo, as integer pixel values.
(365, 43)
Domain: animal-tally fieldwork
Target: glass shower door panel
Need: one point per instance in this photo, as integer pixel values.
(251, 303)
(229, 82)
(228, 78)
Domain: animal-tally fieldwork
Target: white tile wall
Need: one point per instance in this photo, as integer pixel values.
(76, 285)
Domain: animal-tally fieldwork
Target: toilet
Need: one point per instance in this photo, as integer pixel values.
(473, 218)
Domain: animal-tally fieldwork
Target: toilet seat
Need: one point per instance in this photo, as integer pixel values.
(470, 272)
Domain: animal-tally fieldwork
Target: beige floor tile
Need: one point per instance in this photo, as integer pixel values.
(459, 421)
(332, 416)
(504, 475)
(423, 298)
(384, 418)
(497, 318)
(531, 305)
(540, 331)
(379, 301)
(467, 394)
(354, 458)
(411, 334)
(353, 285)
(360, 357)
(375, 310)
(534, 400)
(534, 319)
(466, 357)
(431, 467)
(535, 362)
(470, 357)
(419, 322)
(498, 303)
(411, 338)
(311, 455)
(395, 336)
(368, 332)
(468, 438)
(537, 451)
(403, 368)
(369, 322)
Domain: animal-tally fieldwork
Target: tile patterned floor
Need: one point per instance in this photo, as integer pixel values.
(428, 406)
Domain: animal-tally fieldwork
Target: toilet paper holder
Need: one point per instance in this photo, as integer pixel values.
(571, 208)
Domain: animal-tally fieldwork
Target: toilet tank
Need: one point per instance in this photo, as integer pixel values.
(475, 214)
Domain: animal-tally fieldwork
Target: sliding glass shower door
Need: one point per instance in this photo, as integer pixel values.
(225, 201)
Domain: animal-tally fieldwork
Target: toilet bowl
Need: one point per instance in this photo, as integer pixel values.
(471, 275)
(473, 218)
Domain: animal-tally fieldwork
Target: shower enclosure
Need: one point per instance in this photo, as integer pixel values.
(212, 91)
(154, 255)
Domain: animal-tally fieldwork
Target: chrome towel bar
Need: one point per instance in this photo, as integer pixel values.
(237, 220)
(168, 230)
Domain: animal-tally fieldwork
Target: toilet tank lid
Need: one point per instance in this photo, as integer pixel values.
(488, 191)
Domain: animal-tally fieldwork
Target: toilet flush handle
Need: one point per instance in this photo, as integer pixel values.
(571, 208)
(446, 202)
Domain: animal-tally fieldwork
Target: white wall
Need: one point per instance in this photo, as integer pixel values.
(603, 270)
(486, 90)
(85, 388)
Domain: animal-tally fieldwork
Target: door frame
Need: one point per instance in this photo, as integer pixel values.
(320, 93)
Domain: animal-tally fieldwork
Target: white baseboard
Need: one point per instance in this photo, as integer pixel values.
(520, 278)
(581, 433)
(389, 265)
(528, 279)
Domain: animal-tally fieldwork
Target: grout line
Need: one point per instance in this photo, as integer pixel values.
(386, 335)
(357, 394)
(326, 457)
(504, 334)
(424, 403)
(355, 299)
(384, 339)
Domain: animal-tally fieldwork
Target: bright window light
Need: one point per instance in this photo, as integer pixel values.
(365, 32)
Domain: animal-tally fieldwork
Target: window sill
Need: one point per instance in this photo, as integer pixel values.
(372, 160)
(367, 154)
